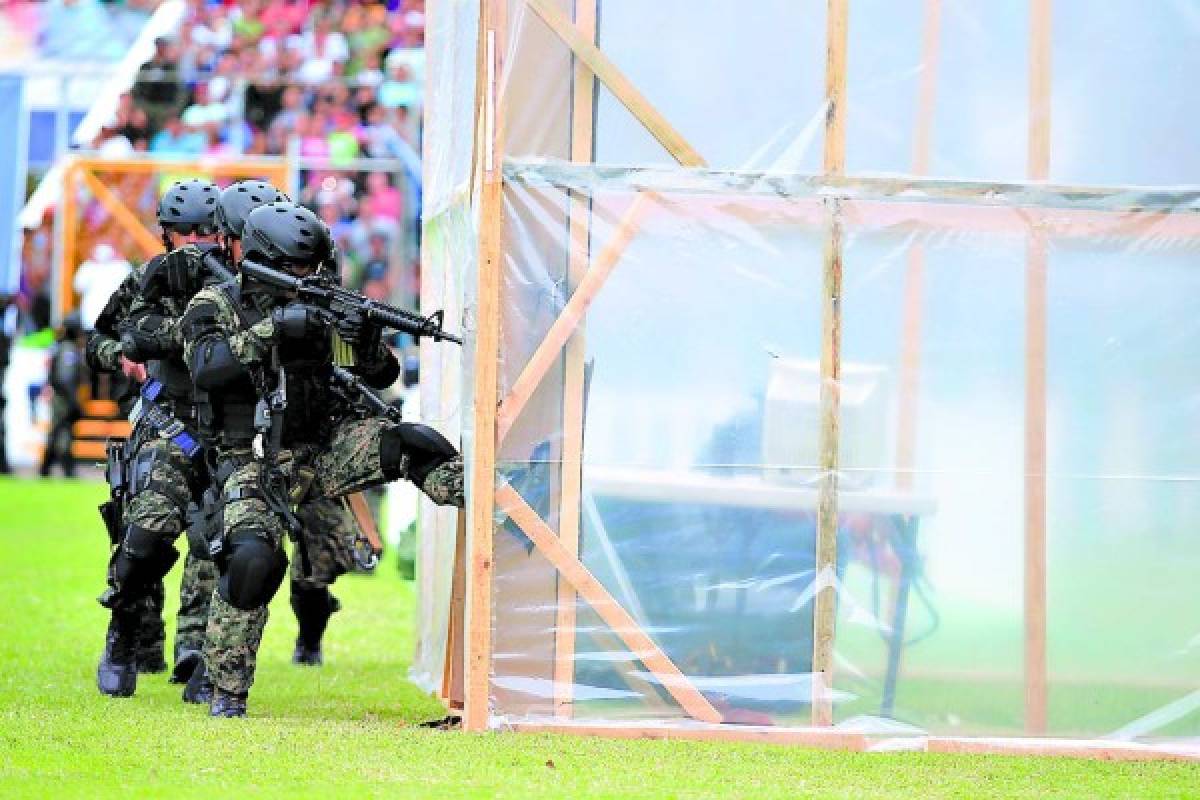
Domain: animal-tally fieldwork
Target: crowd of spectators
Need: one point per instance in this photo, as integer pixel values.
(330, 82)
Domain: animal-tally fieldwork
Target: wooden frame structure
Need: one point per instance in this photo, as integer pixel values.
(832, 201)
(80, 172)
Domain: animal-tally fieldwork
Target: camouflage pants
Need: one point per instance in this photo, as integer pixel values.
(195, 594)
(160, 499)
(350, 464)
(159, 504)
(329, 532)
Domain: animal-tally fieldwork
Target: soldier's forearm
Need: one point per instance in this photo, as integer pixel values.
(103, 353)
(150, 336)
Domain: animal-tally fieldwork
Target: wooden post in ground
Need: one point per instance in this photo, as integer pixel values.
(480, 557)
(1035, 380)
(579, 254)
(452, 673)
(825, 602)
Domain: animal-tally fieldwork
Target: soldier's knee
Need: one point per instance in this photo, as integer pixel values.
(144, 558)
(412, 451)
(444, 484)
(254, 570)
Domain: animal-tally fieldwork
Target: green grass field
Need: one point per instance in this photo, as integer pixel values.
(351, 728)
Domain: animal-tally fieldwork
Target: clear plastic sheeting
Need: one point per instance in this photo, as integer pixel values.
(447, 253)
(700, 464)
(1016, 444)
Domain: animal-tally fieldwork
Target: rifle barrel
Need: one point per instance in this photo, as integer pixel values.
(381, 313)
(215, 266)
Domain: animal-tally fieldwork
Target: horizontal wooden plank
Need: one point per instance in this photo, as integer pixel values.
(589, 178)
(1100, 749)
(821, 738)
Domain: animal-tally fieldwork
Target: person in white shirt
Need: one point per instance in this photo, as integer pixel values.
(96, 280)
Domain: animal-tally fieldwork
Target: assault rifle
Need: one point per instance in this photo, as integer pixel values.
(341, 303)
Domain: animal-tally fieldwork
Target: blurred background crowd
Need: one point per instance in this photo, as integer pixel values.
(333, 85)
(332, 88)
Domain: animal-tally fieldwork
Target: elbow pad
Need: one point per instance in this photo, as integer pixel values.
(214, 365)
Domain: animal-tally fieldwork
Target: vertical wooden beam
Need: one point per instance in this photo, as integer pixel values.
(452, 675)
(480, 557)
(281, 175)
(836, 28)
(70, 233)
(1035, 379)
(621, 87)
(914, 281)
(579, 242)
(825, 602)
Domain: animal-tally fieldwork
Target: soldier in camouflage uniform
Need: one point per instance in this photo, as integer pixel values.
(245, 345)
(103, 354)
(164, 470)
(329, 530)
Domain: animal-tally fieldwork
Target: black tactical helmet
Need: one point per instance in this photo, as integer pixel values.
(189, 204)
(283, 233)
(238, 200)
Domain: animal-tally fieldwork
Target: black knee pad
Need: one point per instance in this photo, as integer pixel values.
(253, 571)
(143, 559)
(412, 450)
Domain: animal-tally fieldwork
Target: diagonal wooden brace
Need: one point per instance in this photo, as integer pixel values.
(571, 315)
(621, 87)
(147, 241)
(605, 605)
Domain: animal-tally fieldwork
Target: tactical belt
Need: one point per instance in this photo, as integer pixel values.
(163, 422)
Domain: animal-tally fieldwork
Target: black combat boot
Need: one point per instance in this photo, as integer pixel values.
(185, 665)
(313, 608)
(228, 704)
(152, 633)
(116, 675)
(199, 688)
(306, 656)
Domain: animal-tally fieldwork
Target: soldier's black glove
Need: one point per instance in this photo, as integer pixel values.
(181, 268)
(298, 321)
(359, 332)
